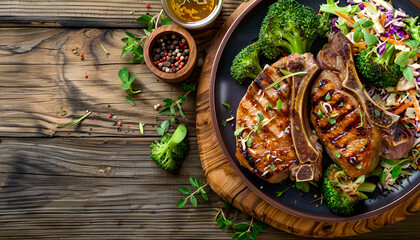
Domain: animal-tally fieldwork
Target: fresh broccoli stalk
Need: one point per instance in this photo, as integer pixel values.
(246, 63)
(340, 192)
(292, 27)
(413, 27)
(380, 71)
(171, 150)
(331, 6)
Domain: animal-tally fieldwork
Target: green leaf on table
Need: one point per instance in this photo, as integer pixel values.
(241, 226)
(144, 19)
(194, 182)
(193, 201)
(184, 190)
(75, 122)
(181, 203)
(166, 21)
(130, 100)
(123, 74)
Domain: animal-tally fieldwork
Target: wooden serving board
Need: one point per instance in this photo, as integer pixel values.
(226, 183)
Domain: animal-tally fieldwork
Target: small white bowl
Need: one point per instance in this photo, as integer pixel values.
(193, 25)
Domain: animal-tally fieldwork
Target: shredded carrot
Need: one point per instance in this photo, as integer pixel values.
(383, 20)
(361, 44)
(405, 37)
(415, 104)
(365, 4)
(418, 55)
(360, 15)
(353, 30)
(403, 107)
(393, 41)
(344, 16)
(357, 50)
(319, 14)
(409, 121)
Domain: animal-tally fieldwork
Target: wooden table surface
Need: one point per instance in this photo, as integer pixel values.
(96, 180)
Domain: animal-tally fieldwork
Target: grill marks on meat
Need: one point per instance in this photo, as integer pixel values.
(359, 146)
(271, 155)
(351, 144)
(272, 145)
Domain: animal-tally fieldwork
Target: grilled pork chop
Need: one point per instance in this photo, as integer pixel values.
(341, 125)
(352, 127)
(264, 131)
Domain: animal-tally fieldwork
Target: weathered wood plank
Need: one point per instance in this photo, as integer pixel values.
(109, 189)
(81, 13)
(43, 84)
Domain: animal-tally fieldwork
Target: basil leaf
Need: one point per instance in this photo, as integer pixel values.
(402, 59)
(408, 73)
(357, 35)
(370, 39)
(396, 171)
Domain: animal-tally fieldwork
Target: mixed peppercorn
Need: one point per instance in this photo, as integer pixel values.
(170, 53)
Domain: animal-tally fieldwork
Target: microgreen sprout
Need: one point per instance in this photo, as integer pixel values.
(77, 121)
(123, 74)
(199, 186)
(286, 75)
(279, 194)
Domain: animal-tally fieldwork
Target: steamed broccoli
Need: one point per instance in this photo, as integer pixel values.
(246, 63)
(292, 27)
(340, 192)
(380, 71)
(171, 150)
(413, 27)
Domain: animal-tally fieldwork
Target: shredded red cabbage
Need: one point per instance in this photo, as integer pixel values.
(381, 49)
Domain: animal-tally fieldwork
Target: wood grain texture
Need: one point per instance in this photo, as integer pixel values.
(224, 181)
(82, 13)
(91, 181)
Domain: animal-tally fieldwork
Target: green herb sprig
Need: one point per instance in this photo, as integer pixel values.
(123, 74)
(200, 189)
(248, 229)
(221, 219)
(172, 105)
(75, 122)
(134, 43)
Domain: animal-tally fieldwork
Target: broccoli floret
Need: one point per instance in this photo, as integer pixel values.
(380, 71)
(413, 27)
(246, 63)
(340, 192)
(171, 150)
(331, 6)
(292, 27)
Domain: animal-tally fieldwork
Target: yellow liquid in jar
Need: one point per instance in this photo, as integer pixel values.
(192, 10)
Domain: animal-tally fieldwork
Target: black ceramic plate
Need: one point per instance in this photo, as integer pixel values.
(224, 90)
